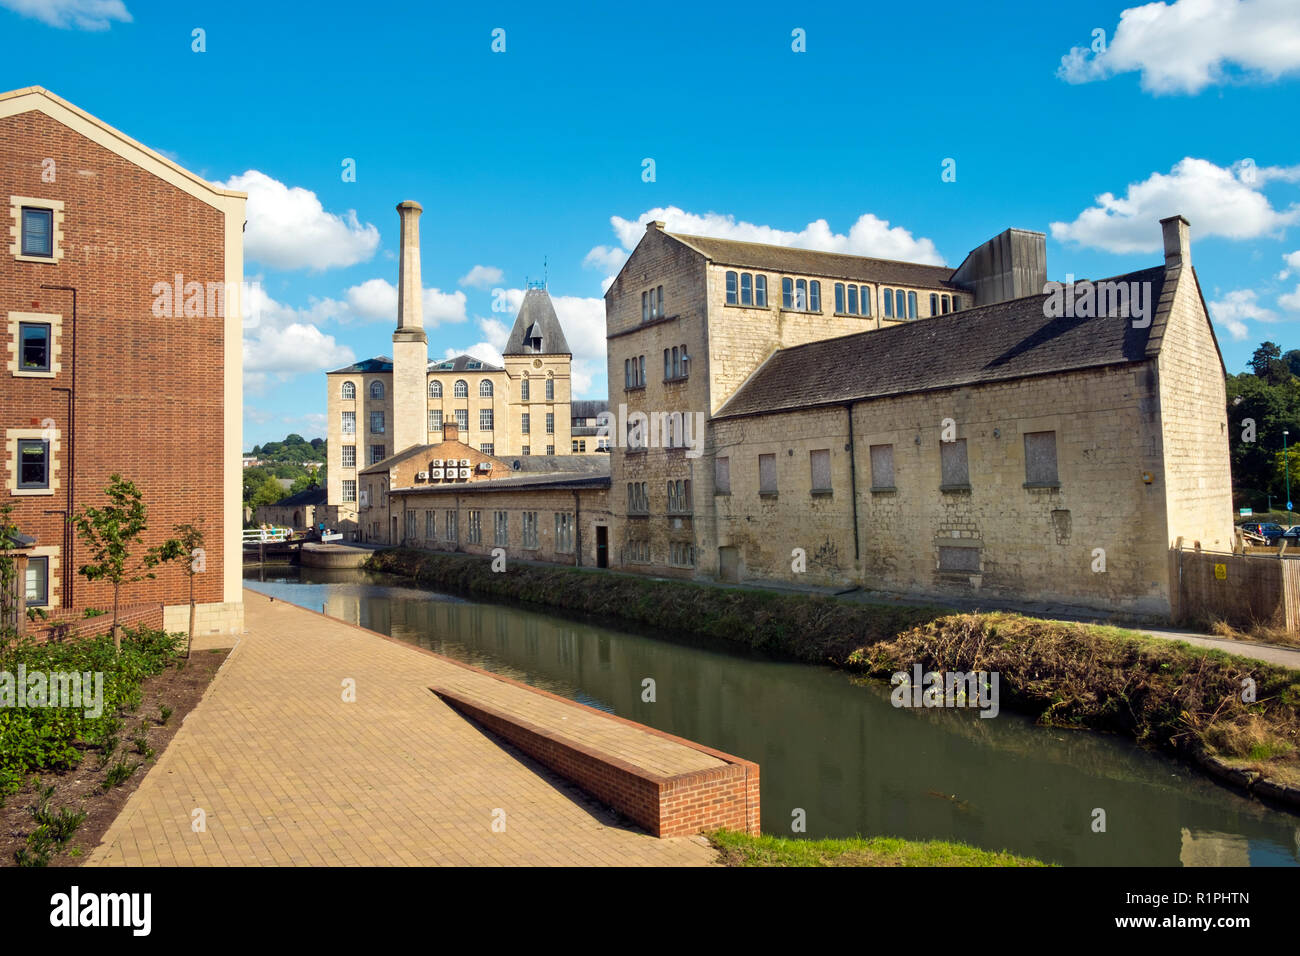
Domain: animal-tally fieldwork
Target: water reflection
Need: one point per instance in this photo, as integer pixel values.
(835, 747)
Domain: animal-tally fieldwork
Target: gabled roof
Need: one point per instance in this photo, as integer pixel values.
(813, 262)
(536, 319)
(463, 363)
(40, 99)
(380, 363)
(1006, 340)
(588, 407)
(309, 496)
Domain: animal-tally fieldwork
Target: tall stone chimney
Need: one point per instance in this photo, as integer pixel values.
(410, 344)
(1178, 242)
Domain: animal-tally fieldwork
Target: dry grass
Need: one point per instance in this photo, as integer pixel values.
(1260, 633)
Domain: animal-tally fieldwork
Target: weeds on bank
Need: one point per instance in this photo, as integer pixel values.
(739, 849)
(54, 828)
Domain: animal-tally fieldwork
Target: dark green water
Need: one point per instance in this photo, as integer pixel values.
(834, 749)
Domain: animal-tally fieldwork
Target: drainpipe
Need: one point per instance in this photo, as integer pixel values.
(853, 480)
(68, 578)
(577, 529)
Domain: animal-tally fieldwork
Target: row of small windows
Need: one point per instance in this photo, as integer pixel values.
(681, 554)
(652, 304)
(460, 389)
(1040, 468)
(679, 497)
(805, 295)
(529, 536)
(634, 372)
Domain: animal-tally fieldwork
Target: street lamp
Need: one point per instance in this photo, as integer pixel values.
(1287, 463)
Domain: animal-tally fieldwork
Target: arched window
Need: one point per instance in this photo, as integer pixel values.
(461, 388)
(731, 289)
(746, 288)
(900, 304)
(864, 299)
(853, 300)
(911, 305)
(814, 296)
(435, 389)
(801, 294)
(839, 298)
(934, 303)
(946, 305)
(376, 389)
(888, 295)
(485, 388)
(760, 291)
(349, 390)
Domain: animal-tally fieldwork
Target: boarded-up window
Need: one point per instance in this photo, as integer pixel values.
(952, 456)
(882, 466)
(722, 476)
(820, 461)
(1040, 458)
(767, 474)
(959, 559)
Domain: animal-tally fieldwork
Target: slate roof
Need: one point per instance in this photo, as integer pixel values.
(588, 407)
(552, 464)
(537, 318)
(380, 363)
(557, 482)
(310, 496)
(462, 363)
(1006, 340)
(813, 262)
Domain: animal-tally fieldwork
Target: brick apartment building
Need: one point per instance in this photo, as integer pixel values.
(119, 289)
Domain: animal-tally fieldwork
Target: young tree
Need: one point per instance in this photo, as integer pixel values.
(9, 582)
(187, 545)
(110, 533)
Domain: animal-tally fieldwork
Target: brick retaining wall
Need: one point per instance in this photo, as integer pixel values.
(65, 625)
(667, 806)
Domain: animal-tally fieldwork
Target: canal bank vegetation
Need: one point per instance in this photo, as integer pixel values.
(740, 849)
(1238, 718)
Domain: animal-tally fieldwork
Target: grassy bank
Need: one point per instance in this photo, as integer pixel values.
(738, 849)
(1164, 694)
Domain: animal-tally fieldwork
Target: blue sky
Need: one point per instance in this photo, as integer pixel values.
(536, 153)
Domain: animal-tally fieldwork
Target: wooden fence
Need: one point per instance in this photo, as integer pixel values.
(1246, 590)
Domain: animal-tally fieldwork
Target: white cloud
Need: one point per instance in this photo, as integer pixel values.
(608, 259)
(1290, 300)
(285, 341)
(1215, 201)
(497, 332)
(869, 236)
(1235, 308)
(376, 299)
(481, 277)
(1188, 45)
(1292, 260)
(289, 229)
(484, 351)
(70, 14)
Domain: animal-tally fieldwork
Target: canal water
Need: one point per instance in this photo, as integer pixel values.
(834, 749)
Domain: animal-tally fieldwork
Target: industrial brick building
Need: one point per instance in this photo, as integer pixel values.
(121, 297)
(914, 428)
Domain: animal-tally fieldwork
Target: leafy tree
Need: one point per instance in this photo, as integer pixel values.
(109, 534)
(187, 545)
(1262, 356)
(268, 493)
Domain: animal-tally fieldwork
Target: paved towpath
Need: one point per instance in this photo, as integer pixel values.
(287, 773)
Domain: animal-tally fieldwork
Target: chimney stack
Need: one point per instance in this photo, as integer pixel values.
(410, 344)
(1178, 242)
(410, 314)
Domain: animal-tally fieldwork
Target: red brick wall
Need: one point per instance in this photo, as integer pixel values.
(149, 390)
(681, 805)
(69, 625)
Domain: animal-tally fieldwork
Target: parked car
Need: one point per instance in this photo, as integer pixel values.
(1291, 535)
(1267, 530)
